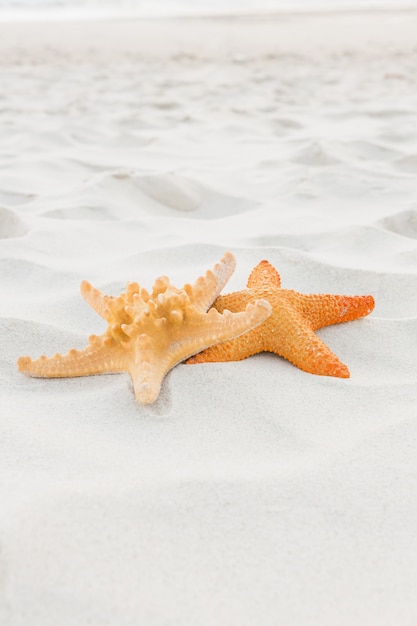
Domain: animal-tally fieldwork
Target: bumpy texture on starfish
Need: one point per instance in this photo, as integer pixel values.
(148, 334)
(289, 330)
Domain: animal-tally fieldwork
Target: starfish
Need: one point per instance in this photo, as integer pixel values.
(289, 330)
(148, 334)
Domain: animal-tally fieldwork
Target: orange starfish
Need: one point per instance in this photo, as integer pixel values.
(289, 330)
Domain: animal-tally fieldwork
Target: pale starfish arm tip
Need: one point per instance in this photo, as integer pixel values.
(224, 270)
(95, 298)
(24, 363)
(206, 289)
(146, 393)
(262, 304)
(229, 259)
(147, 372)
(235, 328)
(86, 290)
(235, 324)
(256, 313)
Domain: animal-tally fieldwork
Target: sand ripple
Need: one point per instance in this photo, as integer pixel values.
(11, 225)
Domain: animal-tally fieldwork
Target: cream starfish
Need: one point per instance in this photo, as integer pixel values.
(148, 334)
(289, 330)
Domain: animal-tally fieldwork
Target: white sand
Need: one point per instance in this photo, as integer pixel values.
(251, 493)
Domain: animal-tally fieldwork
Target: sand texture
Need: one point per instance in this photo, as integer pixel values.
(250, 493)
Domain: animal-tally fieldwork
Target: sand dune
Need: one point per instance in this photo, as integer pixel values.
(249, 493)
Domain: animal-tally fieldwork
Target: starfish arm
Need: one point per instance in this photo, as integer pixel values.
(235, 302)
(148, 362)
(220, 327)
(147, 380)
(264, 274)
(206, 288)
(235, 339)
(326, 309)
(234, 350)
(95, 298)
(96, 358)
(296, 342)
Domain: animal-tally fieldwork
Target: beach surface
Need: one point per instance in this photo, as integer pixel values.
(250, 493)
